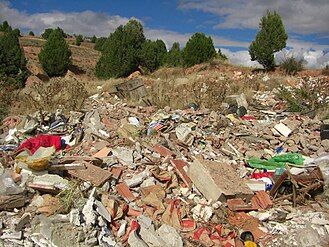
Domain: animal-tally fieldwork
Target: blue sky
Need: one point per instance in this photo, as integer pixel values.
(231, 24)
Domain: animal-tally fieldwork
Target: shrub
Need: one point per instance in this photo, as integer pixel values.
(174, 56)
(152, 54)
(78, 40)
(198, 49)
(12, 59)
(93, 39)
(31, 33)
(271, 38)
(100, 43)
(55, 55)
(325, 70)
(291, 65)
(120, 52)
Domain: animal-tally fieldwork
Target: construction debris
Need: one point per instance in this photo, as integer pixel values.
(117, 174)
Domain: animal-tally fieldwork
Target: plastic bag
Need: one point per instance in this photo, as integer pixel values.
(278, 161)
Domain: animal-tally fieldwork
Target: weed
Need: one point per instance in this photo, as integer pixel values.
(291, 65)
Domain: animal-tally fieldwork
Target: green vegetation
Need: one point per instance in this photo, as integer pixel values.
(31, 33)
(48, 31)
(12, 59)
(174, 56)
(99, 43)
(5, 27)
(78, 40)
(120, 52)
(93, 39)
(291, 65)
(271, 38)
(152, 54)
(55, 55)
(199, 48)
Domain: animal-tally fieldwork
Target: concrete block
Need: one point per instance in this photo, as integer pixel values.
(218, 181)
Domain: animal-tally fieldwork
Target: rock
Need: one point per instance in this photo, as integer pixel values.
(12, 235)
(75, 217)
(125, 156)
(254, 153)
(283, 129)
(170, 236)
(216, 181)
(135, 241)
(52, 180)
(184, 134)
(91, 241)
(137, 179)
(25, 219)
(88, 210)
(101, 209)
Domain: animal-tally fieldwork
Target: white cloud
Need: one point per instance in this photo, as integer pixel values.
(86, 22)
(302, 16)
(240, 58)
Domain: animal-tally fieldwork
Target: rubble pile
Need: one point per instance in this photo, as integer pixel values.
(117, 175)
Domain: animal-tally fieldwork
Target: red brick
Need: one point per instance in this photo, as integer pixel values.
(104, 152)
(261, 200)
(163, 151)
(125, 192)
(179, 165)
(116, 172)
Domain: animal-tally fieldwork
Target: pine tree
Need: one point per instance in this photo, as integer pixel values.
(55, 55)
(93, 39)
(198, 49)
(78, 40)
(152, 54)
(271, 38)
(174, 56)
(121, 50)
(31, 33)
(12, 59)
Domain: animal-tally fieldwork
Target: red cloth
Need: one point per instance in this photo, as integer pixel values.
(34, 143)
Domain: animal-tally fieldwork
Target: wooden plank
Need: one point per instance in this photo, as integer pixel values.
(94, 174)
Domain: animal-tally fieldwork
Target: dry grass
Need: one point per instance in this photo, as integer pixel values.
(57, 93)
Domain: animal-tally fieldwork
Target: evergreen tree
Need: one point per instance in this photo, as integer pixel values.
(55, 55)
(5, 27)
(174, 56)
(48, 31)
(271, 38)
(78, 40)
(152, 54)
(31, 33)
(100, 43)
(121, 50)
(93, 39)
(12, 60)
(198, 49)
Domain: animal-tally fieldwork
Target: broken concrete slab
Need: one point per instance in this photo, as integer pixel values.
(101, 209)
(217, 181)
(170, 236)
(283, 129)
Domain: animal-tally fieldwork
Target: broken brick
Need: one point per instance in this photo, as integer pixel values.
(261, 200)
(125, 192)
(163, 151)
(104, 152)
(179, 165)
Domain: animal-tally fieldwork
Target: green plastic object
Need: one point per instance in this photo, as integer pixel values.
(278, 161)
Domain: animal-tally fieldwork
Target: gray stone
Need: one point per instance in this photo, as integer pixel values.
(12, 235)
(101, 209)
(135, 241)
(25, 219)
(170, 236)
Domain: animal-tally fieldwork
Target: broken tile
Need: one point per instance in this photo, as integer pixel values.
(125, 192)
(97, 176)
(104, 152)
(179, 165)
(163, 151)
